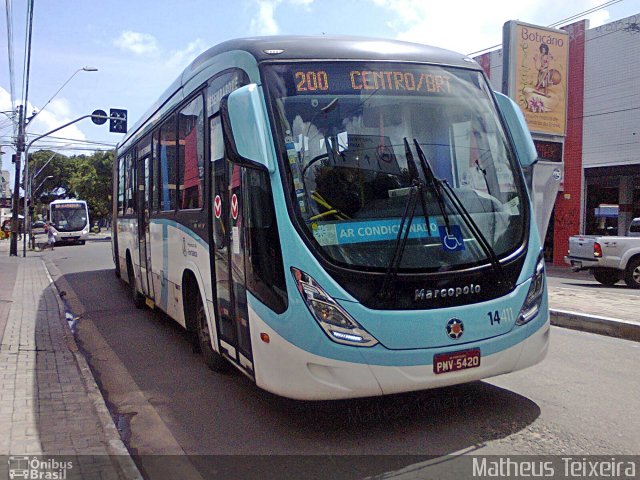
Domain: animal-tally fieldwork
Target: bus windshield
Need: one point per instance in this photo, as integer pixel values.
(369, 145)
(69, 217)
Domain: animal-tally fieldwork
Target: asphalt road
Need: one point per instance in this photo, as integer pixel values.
(581, 400)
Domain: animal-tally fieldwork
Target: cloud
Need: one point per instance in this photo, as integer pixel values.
(598, 18)
(138, 43)
(57, 113)
(474, 25)
(178, 59)
(264, 23)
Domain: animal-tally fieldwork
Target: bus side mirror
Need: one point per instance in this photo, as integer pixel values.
(517, 125)
(245, 128)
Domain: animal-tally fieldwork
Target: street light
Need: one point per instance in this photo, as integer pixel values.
(83, 69)
(21, 141)
(35, 191)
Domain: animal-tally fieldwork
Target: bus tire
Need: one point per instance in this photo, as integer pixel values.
(138, 300)
(632, 273)
(213, 359)
(606, 276)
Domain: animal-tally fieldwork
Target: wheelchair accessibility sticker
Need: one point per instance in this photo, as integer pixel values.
(454, 241)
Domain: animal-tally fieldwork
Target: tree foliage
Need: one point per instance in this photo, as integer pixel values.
(85, 177)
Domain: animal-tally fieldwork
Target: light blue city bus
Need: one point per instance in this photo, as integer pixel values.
(336, 217)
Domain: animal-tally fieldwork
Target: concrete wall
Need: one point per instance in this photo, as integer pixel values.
(612, 94)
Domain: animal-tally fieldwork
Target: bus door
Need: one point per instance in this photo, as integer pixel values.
(228, 250)
(144, 183)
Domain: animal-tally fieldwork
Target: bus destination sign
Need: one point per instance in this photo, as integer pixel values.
(347, 78)
(68, 205)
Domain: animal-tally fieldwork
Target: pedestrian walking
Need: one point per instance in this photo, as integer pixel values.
(51, 234)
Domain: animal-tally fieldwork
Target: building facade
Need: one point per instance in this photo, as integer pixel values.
(600, 192)
(5, 196)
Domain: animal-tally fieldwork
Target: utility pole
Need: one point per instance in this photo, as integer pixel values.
(15, 205)
(20, 141)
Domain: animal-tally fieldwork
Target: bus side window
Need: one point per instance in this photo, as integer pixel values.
(121, 175)
(191, 154)
(265, 268)
(156, 182)
(167, 148)
(130, 180)
(218, 182)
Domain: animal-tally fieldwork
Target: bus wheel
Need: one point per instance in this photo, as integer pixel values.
(138, 300)
(213, 359)
(632, 274)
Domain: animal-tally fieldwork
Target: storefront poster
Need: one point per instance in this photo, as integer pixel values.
(538, 60)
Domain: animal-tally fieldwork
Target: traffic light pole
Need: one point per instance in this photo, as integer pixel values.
(27, 183)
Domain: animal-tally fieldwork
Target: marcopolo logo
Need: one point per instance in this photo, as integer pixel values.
(35, 468)
(452, 292)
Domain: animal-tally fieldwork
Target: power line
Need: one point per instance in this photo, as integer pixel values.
(598, 114)
(586, 12)
(27, 55)
(572, 17)
(12, 78)
(76, 140)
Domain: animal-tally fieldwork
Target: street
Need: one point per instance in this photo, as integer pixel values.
(166, 401)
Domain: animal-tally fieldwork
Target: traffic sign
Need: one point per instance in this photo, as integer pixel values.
(98, 120)
(118, 125)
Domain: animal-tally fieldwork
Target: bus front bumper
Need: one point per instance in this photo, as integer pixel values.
(286, 370)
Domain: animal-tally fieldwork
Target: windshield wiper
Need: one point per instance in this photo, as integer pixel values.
(440, 186)
(436, 185)
(401, 242)
(416, 190)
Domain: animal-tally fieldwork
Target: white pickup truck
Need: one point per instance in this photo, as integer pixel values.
(610, 259)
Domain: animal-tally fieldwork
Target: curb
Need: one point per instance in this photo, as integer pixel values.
(114, 444)
(612, 327)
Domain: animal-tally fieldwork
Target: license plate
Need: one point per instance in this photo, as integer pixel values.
(454, 361)
(576, 264)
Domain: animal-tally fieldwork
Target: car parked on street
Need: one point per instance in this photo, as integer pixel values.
(610, 259)
(634, 228)
(37, 227)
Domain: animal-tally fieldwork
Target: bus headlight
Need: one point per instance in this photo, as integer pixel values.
(531, 305)
(332, 318)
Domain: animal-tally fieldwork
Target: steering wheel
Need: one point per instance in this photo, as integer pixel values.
(313, 160)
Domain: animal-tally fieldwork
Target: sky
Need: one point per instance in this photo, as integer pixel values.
(141, 46)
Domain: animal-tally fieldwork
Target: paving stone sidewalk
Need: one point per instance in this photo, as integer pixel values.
(49, 402)
(593, 308)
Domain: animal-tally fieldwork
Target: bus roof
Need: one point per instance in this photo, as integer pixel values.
(67, 200)
(307, 47)
(332, 47)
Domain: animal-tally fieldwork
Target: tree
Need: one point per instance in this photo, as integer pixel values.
(91, 180)
(83, 177)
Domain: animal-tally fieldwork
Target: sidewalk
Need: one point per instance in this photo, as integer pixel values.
(594, 310)
(50, 404)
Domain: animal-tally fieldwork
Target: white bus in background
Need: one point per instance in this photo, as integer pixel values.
(70, 217)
